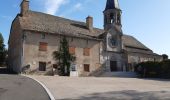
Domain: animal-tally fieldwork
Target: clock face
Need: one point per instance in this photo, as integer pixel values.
(112, 41)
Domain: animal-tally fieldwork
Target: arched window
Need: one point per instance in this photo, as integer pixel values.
(113, 41)
(118, 19)
(112, 18)
(105, 19)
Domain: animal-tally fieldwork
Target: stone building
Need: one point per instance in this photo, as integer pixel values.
(34, 36)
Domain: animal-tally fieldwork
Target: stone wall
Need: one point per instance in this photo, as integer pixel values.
(14, 47)
(32, 55)
(138, 57)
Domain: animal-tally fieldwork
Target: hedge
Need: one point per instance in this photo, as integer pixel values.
(154, 69)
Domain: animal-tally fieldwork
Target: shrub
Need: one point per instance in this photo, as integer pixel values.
(152, 69)
(165, 69)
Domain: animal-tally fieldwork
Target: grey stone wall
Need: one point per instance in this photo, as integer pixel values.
(15, 47)
(138, 57)
(32, 55)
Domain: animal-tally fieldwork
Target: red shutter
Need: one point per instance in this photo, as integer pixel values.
(43, 46)
(72, 50)
(86, 52)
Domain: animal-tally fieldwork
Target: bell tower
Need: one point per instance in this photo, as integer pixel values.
(112, 15)
(113, 32)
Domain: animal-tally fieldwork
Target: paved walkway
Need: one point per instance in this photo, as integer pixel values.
(91, 88)
(15, 87)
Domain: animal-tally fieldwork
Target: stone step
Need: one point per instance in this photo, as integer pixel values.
(119, 74)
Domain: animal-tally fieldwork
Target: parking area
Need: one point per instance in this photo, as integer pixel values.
(92, 88)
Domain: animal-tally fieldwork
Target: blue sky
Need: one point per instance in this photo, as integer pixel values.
(147, 20)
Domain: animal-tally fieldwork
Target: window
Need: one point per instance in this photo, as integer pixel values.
(86, 52)
(118, 19)
(105, 19)
(71, 39)
(87, 41)
(24, 36)
(86, 67)
(112, 18)
(42, 66)
(72, 50)
(55, 66)
(43, 36)
(43, 46)
(112, 41)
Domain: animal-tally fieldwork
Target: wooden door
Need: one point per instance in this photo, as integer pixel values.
(113, 66)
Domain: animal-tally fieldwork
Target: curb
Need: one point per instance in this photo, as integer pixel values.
(46, 89)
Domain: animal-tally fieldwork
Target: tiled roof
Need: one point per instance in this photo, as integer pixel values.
(130, 41)
(42, 22)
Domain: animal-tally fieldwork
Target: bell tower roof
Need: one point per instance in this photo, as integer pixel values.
(112, 15)
(112, 4)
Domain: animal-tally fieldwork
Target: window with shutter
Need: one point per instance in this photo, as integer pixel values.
(72, 50)
(87, 67)
(86, 52)
(42, 66)
(43, 46)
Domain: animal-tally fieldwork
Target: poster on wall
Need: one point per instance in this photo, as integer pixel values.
(73, 67)
(73, 70)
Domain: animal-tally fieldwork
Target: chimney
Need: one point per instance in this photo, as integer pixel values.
(89, 23)
(24, 7)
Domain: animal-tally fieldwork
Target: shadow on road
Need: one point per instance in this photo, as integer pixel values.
(156, 79)
(4, 70)
(126, 95)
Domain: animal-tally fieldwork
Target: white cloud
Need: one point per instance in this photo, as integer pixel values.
(6, 17)
(78, 6)
(52, 6)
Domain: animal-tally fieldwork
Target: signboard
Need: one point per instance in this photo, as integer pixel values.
(73, 70)
(73, 67)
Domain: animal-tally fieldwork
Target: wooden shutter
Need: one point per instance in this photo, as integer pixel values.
(43, 46)
(86, 67)
(72, 50)
(86, 52)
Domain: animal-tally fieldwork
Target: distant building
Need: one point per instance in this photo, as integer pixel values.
(34, 36)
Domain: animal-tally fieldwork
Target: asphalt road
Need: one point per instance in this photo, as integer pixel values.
(16, 87)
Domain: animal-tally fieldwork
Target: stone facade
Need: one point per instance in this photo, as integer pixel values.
(14, 46)
(109, 49)
(33, 56)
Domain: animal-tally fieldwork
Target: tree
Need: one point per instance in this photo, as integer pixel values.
(2, 50)
(165, 57)
(63, 57)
